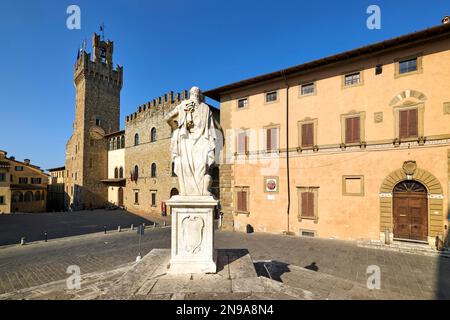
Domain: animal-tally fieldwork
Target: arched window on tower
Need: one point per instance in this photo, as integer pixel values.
(121, 173)
(116, 173)
(153, 135)
(136, 139)
(118, 143)
(153, 170)
(123, 142)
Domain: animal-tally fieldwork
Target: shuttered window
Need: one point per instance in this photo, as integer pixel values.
(408, 123)
(352, 130)
(243, 143)
(242, 201)
(272, 139)
(308, 204)
(307, 135)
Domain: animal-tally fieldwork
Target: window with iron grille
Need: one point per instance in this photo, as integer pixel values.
(23, 180)
(242, 103)
(409, 65)
(307, 89)
(271, 96)
(352, 79)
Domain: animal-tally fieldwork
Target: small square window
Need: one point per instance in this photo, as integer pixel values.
(2, 200)
(308, 89)
(352, 79)
(97, 122)
(271, 96)
(242, 103)
(19, 168)
(409, 65)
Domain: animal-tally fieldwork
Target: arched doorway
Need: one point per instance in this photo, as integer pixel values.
(410, 208)
(174, 192)
(120, 197)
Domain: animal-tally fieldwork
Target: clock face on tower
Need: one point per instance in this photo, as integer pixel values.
(96, 133)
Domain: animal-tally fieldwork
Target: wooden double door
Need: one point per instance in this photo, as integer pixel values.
(410, 211)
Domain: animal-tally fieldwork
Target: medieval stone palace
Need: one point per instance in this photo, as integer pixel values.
(106, 166)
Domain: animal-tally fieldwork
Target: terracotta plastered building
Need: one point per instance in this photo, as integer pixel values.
(352, 146)
(23, 186)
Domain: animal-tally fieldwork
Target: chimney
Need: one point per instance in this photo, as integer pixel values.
(446, 20)
(27, 162)
(12, 158)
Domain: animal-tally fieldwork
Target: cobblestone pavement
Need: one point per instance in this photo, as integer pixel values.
(64, 224)
(418, 276)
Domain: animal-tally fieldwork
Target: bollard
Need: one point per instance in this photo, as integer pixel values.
(119, 229)
(104, 229)
(132, 227)
(45, 236)
(22, 241)
(164, 224)
(154, 224)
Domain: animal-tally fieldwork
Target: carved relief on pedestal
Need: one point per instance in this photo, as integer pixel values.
(192, 227)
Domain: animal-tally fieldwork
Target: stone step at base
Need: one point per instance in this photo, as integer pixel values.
(404, 247)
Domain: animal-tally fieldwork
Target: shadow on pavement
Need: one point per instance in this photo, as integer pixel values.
(63, 224)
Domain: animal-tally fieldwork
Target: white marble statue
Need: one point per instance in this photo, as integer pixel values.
(193, 143)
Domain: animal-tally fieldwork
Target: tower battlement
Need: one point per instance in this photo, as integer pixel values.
(101, 67)
(164, 102)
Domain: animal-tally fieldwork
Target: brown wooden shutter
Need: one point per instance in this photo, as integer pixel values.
(412, 123)
(307, 135)
(242, 201)
(308, 204)
(269, 139)
(274, 139)
(352, 130)
(241, 143)
(348, 130)
(246, 143)
(404, 115)
(356, 134)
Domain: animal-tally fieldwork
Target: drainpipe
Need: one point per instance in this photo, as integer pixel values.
(288, 177)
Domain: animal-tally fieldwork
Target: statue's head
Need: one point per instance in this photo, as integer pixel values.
(195, 94)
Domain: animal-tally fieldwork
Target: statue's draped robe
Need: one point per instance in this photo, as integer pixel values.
(193, 152)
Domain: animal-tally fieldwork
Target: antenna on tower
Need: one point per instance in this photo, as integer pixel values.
(102, 30)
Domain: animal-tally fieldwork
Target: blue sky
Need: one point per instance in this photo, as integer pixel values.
(168, 45)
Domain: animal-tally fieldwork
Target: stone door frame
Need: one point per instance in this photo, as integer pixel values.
(410, 171)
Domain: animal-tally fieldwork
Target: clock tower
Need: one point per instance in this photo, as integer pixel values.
(97, 113)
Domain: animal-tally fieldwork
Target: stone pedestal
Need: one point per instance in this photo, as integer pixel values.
(192, 235)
